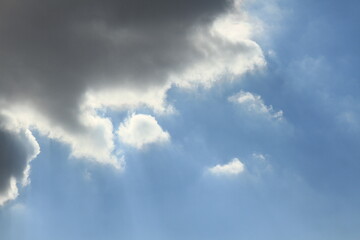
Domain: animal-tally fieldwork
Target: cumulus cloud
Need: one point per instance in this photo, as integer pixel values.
(234, 167)
(254, 103)
(92, 140)
(61, 61)
(253, 168)
(140, 129)
(17, 148)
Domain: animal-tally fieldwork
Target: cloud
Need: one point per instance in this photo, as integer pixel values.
(234, 167)
(259, 165)
(253, 169)
(17, 148)
(140, 130)
(62, 61)
(92, 140)
(254, 103)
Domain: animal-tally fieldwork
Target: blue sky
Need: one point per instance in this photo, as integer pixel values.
(292, 127)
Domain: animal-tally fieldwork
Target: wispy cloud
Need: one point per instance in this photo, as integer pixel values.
(254, 103)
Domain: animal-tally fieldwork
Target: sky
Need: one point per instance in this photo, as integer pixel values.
(173, 120)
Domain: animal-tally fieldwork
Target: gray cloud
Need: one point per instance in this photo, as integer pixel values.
(17, 148)
(128, 52)
(53, 51)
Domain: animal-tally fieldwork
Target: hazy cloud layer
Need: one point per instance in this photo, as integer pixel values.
(62, 60)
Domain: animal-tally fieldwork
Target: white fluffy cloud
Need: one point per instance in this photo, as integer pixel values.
(92, 140)
(234, 167)
(226, 50)
(253, 168)
(139, 130)
(254, 103)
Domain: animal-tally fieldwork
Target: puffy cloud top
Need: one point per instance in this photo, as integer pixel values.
(140, 129)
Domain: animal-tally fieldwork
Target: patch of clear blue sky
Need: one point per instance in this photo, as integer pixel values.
(311, 193)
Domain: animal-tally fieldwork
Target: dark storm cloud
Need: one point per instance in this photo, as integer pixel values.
(53, 51)
(12, 159)
(17, 149)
